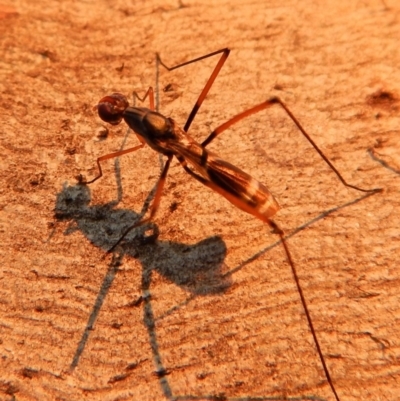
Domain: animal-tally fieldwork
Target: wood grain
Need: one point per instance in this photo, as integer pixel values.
(210, 310)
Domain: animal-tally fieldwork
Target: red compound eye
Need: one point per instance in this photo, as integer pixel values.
(112, 107)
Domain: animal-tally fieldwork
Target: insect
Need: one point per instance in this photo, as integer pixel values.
(165, 136)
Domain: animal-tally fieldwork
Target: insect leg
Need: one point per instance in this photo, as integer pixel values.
(277, 230)
(111, 156)
(265, 105)
(154, 206)
(150, 94)
(225, 53)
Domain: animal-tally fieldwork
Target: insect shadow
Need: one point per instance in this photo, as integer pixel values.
(197, 268)
(375, 156)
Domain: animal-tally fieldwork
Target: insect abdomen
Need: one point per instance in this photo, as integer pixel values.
(241, 189)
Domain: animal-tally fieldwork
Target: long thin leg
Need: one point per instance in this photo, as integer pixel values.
(154, 206)
(277, 230)
(150, 94)
(225, 53)
(111, 156)
(265, 105)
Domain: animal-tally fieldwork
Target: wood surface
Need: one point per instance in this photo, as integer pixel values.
(210, 310)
